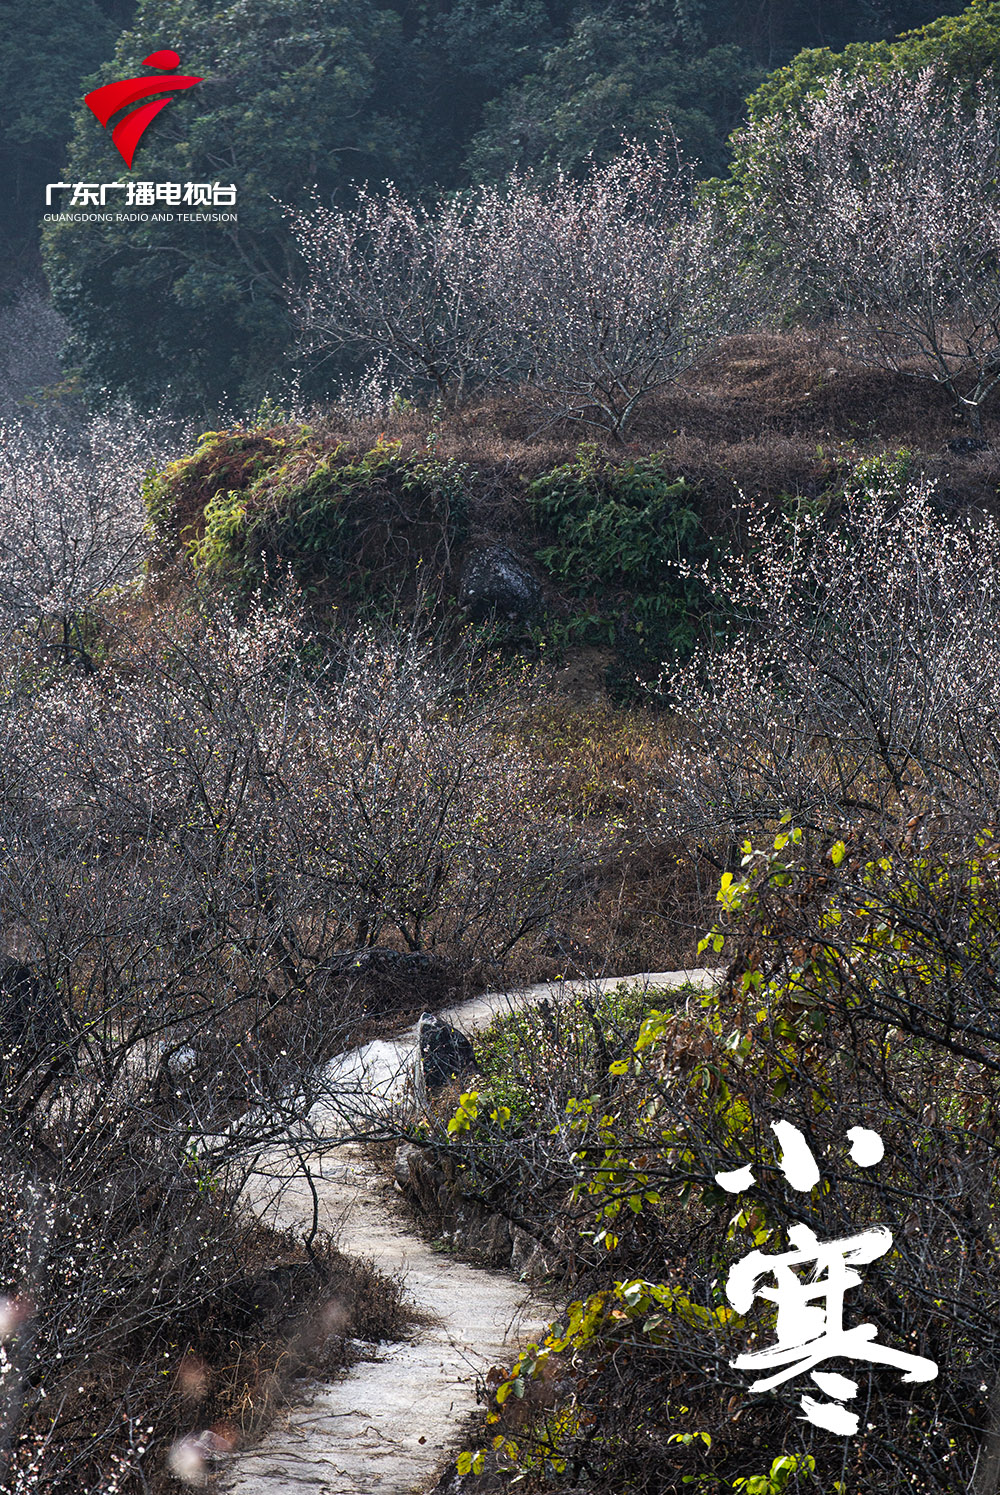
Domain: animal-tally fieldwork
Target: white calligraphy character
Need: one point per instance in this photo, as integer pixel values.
(810, 1326)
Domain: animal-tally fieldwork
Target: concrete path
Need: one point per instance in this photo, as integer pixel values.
(389, 1425)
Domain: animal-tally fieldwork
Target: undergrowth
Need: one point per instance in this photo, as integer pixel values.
(609, 1118)
(625, 540)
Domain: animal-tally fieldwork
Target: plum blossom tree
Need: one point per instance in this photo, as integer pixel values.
(395, 282)
(858, 683)
(880, 202)
(215, 847)
(72, 525)
(604, 290)
(592, 293)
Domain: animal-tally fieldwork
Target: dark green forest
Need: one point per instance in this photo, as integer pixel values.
(321, 94)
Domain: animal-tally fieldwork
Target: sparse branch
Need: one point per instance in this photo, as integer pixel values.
(880, 205)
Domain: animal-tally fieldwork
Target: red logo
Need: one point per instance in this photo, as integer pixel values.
(106, 101)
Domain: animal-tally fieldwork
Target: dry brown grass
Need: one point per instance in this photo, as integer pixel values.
(760, 385)
(197, 1341)
(751, 418)
(775, 413)
(283, 1317)
(646, 898)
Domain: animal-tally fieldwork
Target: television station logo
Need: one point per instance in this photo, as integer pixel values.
(133, 95)
(107, 101)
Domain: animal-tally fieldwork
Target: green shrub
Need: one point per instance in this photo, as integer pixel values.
(964, 47)
(224, 462)
(579, 1036)
(626, 543)
(857, 989)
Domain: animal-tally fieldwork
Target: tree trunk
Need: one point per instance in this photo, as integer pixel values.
(972, 413)
(986, 1475)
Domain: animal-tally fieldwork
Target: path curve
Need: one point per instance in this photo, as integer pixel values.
(388, 1425)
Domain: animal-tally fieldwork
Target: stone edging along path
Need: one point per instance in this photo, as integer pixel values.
(387, 1427)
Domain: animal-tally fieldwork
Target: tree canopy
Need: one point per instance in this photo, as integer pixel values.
(287, 105)
(46, 50)
(621, 69)
(617, 74)
(962, 47)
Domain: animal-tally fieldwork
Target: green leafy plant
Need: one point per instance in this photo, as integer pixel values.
(784, 1470)
(627, 542)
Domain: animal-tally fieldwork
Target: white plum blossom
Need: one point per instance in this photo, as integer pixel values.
(592, 294)
(879, 204)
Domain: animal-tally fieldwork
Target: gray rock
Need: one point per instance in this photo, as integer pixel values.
(527, 1258)
(407, 1155)
(496, 1241)
(483, 1236)
(418, 1175)
(445, 1053)
(30, 1016)
(379, 961)
(181, 1062)
(495, 582)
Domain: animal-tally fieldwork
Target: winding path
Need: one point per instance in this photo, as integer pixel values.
(387, 1427)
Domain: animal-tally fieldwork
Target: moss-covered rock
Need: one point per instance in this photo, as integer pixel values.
(249, 507)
